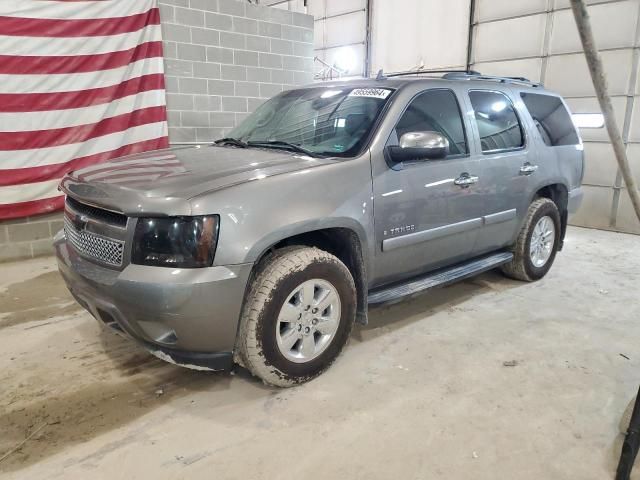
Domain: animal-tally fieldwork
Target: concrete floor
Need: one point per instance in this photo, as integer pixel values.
(422, 392)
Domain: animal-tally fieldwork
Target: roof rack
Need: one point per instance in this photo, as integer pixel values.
(459, 75)
(478, 76)
(382, 75)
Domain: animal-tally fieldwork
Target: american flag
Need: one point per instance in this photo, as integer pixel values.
(81, 82)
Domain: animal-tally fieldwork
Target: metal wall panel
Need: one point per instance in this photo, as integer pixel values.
(599, 164)
(494, 40)
(569, 74)
(634, 130)
(614, 26)
(340, 24)
(414, 33)
(329, 8)
(528, 67)
(634, 158)
(291, 5)
(329, 55)
(590, 105)
(496, 9)
(346, 29)
(626, 219)
(559, 4)
(596, 207)
(337, 7)
(538, 39)
(317, 8)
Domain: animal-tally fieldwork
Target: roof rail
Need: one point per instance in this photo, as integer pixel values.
(458, 75)
(382, 75)
(478, 76)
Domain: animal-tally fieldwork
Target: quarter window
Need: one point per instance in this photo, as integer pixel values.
(551, 118)
(498, 124)
(435, 111)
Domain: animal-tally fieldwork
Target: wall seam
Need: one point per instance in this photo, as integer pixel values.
(561, 54)
(546, 43)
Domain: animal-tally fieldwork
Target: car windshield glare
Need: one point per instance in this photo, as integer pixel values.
(334, 121)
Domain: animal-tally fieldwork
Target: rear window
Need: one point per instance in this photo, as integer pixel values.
(551, 118)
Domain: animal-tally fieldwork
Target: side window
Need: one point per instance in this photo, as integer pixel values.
(435, 111)
(497, 121)
(551, 118)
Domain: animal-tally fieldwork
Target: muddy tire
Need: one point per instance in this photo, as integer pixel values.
(297, 317)
(541, 229)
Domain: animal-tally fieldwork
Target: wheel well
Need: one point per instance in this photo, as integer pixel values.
(559, 194)
(345, 245)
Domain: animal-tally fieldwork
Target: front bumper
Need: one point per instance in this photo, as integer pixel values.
(185, 316)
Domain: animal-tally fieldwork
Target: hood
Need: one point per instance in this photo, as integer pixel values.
(163, 181)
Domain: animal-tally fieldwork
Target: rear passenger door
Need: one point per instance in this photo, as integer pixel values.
(508, 160)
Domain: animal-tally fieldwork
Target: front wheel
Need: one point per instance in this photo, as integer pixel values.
(297, 317)
(537, 243)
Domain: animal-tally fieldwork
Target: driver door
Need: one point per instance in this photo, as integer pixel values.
(425, 217)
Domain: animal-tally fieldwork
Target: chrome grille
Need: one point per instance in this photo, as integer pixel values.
(94, 246)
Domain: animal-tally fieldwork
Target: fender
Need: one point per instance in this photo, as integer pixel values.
(263, 245)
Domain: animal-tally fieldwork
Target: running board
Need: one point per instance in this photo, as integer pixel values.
(439, 278)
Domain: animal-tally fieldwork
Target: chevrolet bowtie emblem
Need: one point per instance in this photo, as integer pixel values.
(80, 221)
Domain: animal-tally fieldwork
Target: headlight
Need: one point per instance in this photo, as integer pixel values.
(183, 242)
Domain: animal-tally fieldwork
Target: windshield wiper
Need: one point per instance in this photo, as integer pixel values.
(231, 141)
(284, 145)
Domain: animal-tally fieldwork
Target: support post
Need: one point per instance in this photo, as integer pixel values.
(600, 83)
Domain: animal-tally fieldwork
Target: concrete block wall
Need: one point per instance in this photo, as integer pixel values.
(28, 237)
(223, 58)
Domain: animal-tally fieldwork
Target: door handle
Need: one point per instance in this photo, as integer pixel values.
(465, 180)
(528, 169)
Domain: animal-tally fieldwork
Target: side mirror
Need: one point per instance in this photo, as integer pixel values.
(420, 146)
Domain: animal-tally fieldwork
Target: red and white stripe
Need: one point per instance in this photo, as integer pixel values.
(81, 82)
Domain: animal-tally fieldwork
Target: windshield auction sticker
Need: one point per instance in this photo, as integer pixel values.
(370, 92)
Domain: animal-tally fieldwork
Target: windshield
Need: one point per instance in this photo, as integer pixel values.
(323, 121)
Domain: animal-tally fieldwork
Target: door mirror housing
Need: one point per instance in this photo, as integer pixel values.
(420, 146)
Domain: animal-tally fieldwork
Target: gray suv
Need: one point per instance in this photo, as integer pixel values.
(265, 248)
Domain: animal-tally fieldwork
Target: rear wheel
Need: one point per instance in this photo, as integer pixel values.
(297, 317)
(537, 243)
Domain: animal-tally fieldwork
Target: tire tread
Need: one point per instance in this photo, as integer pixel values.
(516, 269)
(272, 269)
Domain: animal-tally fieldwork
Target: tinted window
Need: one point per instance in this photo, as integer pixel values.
(435, 111)
(552, 119)
(497, 121)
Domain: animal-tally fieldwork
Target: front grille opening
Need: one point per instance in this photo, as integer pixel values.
(105, 216)
(94, 246)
